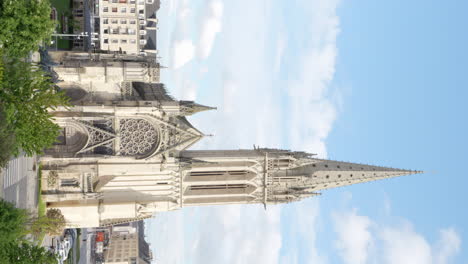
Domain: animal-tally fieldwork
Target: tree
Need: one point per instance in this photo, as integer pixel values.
(26, 253)
(52, 223)
(7, 138)
(12, 223)
(25, 24)
(27, 94)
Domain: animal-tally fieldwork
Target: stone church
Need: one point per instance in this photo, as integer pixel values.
(123, 153)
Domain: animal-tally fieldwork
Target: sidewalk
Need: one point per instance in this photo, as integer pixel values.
(19, 183)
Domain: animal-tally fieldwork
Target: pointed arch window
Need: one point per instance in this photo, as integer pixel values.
(218, 173)
(220, 189)
(228, 175)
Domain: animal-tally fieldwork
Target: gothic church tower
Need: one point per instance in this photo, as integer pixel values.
(123, 153)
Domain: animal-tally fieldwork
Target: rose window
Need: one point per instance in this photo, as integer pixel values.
(137, 137)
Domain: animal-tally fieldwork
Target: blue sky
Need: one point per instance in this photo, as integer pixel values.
(366, 81)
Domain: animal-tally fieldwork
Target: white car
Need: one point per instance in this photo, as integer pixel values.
(61, 256)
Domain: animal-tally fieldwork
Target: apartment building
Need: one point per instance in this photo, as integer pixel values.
(127, 245)
(126, 26)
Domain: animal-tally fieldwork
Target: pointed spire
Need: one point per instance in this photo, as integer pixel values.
(321, 174)
(190, 107)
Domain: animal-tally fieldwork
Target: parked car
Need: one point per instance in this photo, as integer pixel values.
(60, 252)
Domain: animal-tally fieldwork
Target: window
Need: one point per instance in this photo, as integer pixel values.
(106, 41)
(105, 9)
(123, 1)
(115, 31)
(123, 41)
(218, 187)
(69, 183)
(132, 21)
(114, 9)
(141, 11)
(131, 31)
(115, 41)
(132, 1)
(132, 41)
(123, 10)
(106, 31)
(115, 21)
(123, 21)
(328, 176)
(105, 21)
(217, 173)
(132, 10)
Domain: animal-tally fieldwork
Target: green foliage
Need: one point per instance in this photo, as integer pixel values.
(12, 223)
(7, 140)
(27, 94)
(25, 24)
(15, 224)
(52, 223)
(25, 253)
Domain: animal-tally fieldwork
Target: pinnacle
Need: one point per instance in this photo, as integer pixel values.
(192, 107)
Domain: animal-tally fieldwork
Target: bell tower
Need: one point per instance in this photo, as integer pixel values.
(267, 176)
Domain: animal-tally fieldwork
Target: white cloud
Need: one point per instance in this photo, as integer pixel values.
(361, 240)
(252, 109)
(163, 228)
(354, 236)
(448, 246)
(404, 245)
(307, 216)
(210, 26)
(280, 49)
(235, 234)
(183, 52)
(313, 111)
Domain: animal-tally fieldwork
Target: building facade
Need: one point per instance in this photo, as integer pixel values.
(125, 25)
(125, 157)
(127, 245)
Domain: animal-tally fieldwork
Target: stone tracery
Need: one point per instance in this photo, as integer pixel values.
(137, 137)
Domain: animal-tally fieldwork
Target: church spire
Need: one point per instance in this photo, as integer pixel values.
(190, 107)
(299, 182)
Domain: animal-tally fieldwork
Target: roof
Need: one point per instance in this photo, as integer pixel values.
(152, 91)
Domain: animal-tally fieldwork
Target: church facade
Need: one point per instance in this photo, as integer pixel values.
(123, 153)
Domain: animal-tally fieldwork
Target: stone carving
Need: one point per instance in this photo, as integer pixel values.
(137, 137)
